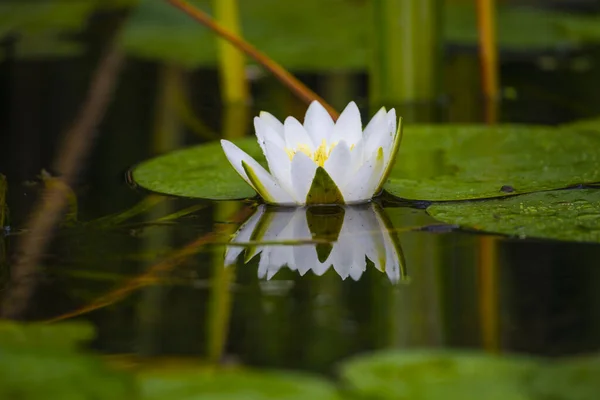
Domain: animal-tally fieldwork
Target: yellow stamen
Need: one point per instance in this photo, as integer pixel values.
(319, 156)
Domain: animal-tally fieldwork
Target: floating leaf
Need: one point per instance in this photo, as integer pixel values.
(201, 171)
(450, 162)
(41, 362)
(434, 375)
(454, 162)
(200, 383)
(561, 214)
(569, 379)
(591, 125)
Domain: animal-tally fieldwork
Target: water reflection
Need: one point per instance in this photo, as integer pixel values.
(347, 238)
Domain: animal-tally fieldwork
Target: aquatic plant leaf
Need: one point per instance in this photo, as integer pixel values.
(201, 171)
(572, 215)
(444, 162)
(190, 384)
(42, 362)
(569, 379)
(434, 375)
(591, 125)
(458, 162)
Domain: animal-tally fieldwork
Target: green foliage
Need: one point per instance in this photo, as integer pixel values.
(42, 361)
(299, 37)
(193, 384)
(434, 375)
(569, 379)
(453, 162)
(201, 171)
(561, 214)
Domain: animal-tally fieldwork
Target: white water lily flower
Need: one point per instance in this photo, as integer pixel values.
(320, 162)
(345, 238)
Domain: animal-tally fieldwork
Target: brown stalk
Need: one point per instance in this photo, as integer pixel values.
(488, 53)
(297, 87)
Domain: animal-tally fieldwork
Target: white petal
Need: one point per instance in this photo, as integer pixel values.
(337, 164)
(348, 249)
(357, 156)
(305, 255)
(364, 182)
(243, 235)
(295, 135)
(273, 122)
(264, 132)
(392, 120)
(377, 127)
(318, 123)
(374, 244)
(268, 188)
(303, 173)
(280, 166)
(348, 127)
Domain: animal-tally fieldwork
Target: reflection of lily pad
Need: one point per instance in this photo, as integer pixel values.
(434, 163)
(560, 214)
(41, 362)
(224, 384)
(425, 375)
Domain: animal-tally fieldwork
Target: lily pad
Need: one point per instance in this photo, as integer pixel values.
(43, 362)
(433, 375)
(454, 162)
(572, 215)
(449, 162)
(201, 171)
(204, 383)
(569, 379)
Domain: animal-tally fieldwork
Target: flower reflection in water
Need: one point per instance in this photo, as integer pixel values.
(318, 238)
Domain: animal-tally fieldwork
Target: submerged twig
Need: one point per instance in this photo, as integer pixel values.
(297, 87)
(74, 149)
(155, 273)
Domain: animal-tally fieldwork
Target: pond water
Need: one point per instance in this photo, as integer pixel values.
(148, 271)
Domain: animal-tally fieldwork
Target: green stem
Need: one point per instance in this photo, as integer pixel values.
(231, 60)
(407, 49)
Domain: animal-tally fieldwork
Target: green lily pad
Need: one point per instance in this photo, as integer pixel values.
(569, 379)
(201, 383)
(454, 162)
(572, 215)
(201, 171)
(591, 125)
(449, 162)
(43, 362)
(433, 375)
